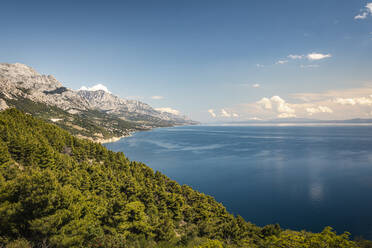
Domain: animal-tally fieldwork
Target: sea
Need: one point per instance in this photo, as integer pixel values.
(302, 177)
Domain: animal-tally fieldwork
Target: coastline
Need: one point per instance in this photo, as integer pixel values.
(109, 140)
(130, 133)
(113, 139)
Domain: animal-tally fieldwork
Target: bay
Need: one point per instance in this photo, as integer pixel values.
(302, 177)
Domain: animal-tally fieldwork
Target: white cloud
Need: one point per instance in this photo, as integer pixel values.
(361, 16)
(265, 103)
(318, 56)
(281, 62)
(256, 85)
(345, 104)
(259, 66)
(227, 113)
(328, 105)
(294, 56)
(157, 97)
(212, 113)
(345, 101)
(319, 109)
(168, 110)
(367, 101)
(282, 106)
(310, 56)
(333, 94)
(278, 105)
(255, 119)
(365, 13)
(224, 113)
(286, 115)
(95, 88)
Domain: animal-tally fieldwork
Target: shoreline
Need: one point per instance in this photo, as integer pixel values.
(114, 139)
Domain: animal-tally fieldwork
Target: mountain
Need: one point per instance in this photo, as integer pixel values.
(59, 191)
(95, 114)
(128, 109)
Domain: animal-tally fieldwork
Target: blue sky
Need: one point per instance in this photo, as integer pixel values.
(228, 59)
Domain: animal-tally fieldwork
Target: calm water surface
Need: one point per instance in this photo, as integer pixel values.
(300, 177)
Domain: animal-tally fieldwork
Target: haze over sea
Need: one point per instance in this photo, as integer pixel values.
(303, 177)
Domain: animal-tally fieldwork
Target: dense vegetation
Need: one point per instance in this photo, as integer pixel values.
(60, 191)
(92, 124)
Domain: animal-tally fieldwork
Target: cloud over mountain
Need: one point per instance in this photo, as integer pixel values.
(95, 88)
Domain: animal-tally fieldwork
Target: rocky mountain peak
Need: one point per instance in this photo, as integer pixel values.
(24, 76)
(19, 80)
(17, 70)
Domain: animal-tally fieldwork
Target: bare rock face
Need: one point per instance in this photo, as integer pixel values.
(112, 104)
(21, 80)
(3, 105)
(23, 76)
(17, 71)
(128, 109)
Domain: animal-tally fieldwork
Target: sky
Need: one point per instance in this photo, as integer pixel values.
(213, 60)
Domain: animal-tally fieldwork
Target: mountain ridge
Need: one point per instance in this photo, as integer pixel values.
(22, 87)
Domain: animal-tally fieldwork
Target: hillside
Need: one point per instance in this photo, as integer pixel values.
(60, 191)
(94, 114)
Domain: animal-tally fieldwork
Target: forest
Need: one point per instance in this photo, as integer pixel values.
(57, 190)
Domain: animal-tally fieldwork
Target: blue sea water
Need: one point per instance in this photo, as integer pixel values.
(302, 177)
